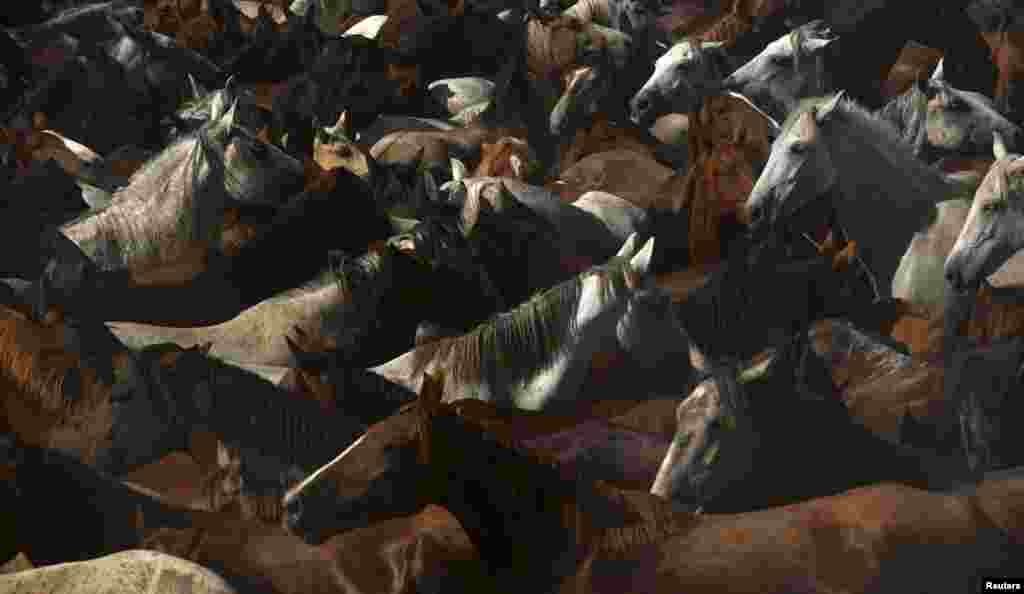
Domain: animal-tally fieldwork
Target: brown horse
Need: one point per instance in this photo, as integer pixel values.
(539, 530)
(424, 550)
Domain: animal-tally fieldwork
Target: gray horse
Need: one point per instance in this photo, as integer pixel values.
(832, 150)
(994, 230)
(791, 68)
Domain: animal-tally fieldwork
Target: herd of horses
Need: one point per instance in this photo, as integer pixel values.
(477, 296)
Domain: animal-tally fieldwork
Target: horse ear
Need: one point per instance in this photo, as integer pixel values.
(629, 248)
(39, 121)
(41, 298)
(939, 73)
(825, 110)
(845, 258)
(998, 145)
(430, 186)
(641, 262)
(229, 117)
(459, 170)
(518, 168)
(341, 126)
(197, 93)
(431, 392)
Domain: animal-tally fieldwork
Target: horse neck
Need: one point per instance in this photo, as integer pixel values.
(520, 515)
(269, 421)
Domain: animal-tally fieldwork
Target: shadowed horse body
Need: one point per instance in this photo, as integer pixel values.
(594, 538)
(836, 144)
(367, 307)
(735, 443)
(425, 550)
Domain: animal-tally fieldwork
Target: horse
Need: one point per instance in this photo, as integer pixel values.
(423, 550)
(988, 237)
(134, 571)
(790, 68)
(692, 69)
(727, 314)
(734, 443)
(556, 334)
(597, 538)
(373, 302)
(184, 192)
(502, 216)
(939, 120)
(919, 278)
(817, 170)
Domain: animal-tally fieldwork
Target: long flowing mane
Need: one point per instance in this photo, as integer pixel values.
(525, 340)
(177, 171)
(878, 175)
(908, 113)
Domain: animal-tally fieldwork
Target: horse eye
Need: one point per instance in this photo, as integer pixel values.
(259, 150)
(798, 148)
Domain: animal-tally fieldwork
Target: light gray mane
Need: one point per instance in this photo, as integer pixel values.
(175, 171)
(908, 113)
(526, 340)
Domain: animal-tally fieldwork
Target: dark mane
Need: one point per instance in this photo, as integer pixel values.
(258, 416)
(525, 340)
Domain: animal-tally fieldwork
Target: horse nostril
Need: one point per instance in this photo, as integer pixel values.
(953, 279)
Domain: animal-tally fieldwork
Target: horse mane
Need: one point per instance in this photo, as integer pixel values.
(267, 419)
(855, 124)
(525, 340)
(36, 365)
(180, 165)
(367, 266)
(908, 113)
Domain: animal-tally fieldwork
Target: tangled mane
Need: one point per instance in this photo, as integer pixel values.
(41, 373)
(177, 171)
(598, 516)
(525, 340)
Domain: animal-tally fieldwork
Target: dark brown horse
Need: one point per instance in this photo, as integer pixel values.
(539, 530)
(428, 549)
